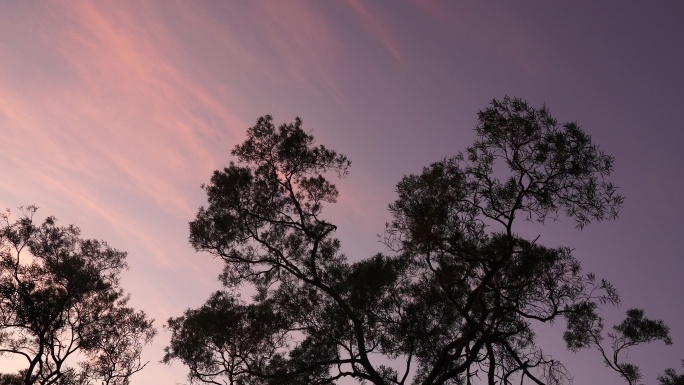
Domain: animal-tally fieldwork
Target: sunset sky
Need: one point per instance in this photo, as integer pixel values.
(113, 113)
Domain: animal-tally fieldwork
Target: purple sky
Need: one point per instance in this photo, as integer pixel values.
(113, 113)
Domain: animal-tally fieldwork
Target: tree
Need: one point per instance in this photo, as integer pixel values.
(61, 301)
(456, 300)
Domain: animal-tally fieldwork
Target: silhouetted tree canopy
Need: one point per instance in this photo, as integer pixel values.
(671, 377)
(11, 379)
(456, 299)
(62, 311)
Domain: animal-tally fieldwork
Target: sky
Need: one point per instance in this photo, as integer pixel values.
(113, 113)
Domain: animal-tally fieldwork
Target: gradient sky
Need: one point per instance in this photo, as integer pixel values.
(113, 113)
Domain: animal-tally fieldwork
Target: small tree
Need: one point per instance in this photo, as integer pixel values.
(457, 300)
(61, 303)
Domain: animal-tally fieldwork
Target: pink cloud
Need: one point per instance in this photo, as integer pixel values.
(130, 109)
(111, 124)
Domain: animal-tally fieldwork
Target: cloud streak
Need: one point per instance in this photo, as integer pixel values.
(377, 26)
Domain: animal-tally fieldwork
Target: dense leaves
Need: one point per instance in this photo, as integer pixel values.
(11, 379)
(61, 304)
(457, 300)
(671, 377)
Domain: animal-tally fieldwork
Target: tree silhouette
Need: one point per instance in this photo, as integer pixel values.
(11, 379)
(456, 300)
(61, 303)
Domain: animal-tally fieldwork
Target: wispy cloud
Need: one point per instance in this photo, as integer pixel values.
(129, 109)
(376, 25)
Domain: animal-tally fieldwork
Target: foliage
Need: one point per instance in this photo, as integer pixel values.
(61, 302)
(11, 379)
(670, 377)
(457, 300)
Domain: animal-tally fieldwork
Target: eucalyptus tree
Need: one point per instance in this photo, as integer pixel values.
(62, 311)
(456, 298)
